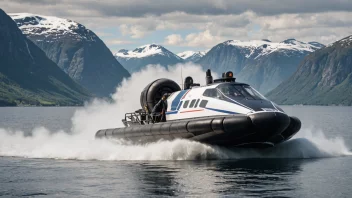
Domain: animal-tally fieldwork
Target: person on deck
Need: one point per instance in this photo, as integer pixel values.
(160, 108)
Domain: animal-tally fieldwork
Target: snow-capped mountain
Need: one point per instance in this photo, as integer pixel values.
(51, 27)
(75, 49)
(324, 77)
(345, 42)
(142, 56)
(262, 63)
(28, 76)
(316, 44)
(191, 56)
(258, 48)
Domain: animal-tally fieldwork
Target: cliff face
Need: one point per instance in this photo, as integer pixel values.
(76, 50)
(261, 63)
(27, 76)
(323, 78)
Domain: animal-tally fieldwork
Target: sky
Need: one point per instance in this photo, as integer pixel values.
(198, 25)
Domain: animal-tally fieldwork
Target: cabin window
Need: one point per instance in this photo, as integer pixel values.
(240, 91)
(212, 93)
(185, 104)
(231, 91)
(179, 106)
(254, 93)
(195, 106)
(192, 103)
(203, 103)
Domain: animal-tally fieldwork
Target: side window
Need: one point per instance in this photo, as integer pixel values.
(195, 106)
(212, 93)
(192, 103)
(185, 104)
(179, 106)
(243, 92)
(230, 91)
(203, 103)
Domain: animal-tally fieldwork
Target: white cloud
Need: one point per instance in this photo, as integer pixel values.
(140, 9)
(173, 39)
(134, 31)
(201, 39)
(119, 42)
(210, 21)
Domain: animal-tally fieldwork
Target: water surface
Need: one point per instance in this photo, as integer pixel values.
(313, 165)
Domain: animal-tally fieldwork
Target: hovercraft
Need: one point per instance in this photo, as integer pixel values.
(223, 112)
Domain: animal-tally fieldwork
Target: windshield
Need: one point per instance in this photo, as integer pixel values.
(238, 91)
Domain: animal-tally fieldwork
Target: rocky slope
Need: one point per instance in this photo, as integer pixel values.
(142, 56)
(191, 56)
(75, 49)
(27, 76)
(262, 63)
(323, 78)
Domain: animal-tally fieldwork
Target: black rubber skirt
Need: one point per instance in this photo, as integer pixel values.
(262, 129)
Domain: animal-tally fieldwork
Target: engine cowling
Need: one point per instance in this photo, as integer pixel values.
(153, 92)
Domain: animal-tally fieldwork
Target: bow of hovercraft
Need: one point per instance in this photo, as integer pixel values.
(223, 112)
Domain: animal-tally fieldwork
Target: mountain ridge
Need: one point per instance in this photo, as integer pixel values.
(262, 63)
(192, 56)
(28, 77)
(78, 51)
(137, 59)
(323, 78)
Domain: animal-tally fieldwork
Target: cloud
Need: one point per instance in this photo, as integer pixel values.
(173, 39)
(139, 30)
(119, 42)
(209, 21)
(38, 2)
(201, 39)
(136, 8)
(133, 31)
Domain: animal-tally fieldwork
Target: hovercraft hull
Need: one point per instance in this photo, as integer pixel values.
(261, 129)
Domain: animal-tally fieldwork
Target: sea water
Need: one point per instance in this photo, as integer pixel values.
(51, 152)
(42, 155)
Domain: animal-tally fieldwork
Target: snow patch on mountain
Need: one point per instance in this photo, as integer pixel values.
(145, 51)
(187, 54)
(39, 25)
(265, 47)
(346, 41)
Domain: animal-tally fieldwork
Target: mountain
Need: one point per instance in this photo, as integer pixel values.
(262, 63)
(191, 56)
(323, 78)
(140, 57)
(27, 76)
(76, 50)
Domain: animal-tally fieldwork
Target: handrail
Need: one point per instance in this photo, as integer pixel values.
(137, 118)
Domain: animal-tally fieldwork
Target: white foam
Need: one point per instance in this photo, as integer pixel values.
(80, 143)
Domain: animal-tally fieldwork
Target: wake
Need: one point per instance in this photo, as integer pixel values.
(60, 145)
(79, 142)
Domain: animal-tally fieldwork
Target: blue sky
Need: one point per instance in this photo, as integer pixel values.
(200, 24)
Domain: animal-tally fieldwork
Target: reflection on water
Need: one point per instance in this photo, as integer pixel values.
(250, 177)
(234, 178)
